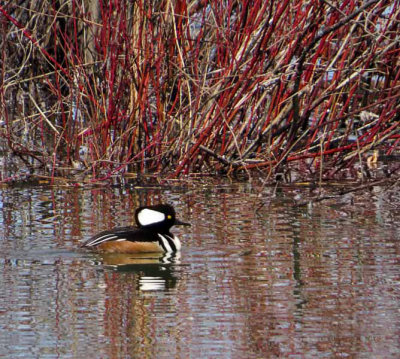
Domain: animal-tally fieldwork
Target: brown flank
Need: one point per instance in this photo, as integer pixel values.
(129, 247)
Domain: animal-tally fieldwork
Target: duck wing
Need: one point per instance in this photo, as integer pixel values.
(119, 234)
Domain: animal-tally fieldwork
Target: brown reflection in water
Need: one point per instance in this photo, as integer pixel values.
(302, 280)
(255, 281)
(130, 313)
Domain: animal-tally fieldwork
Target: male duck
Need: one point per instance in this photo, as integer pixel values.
(152, 233)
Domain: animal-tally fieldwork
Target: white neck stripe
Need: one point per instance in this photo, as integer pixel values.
(167, 245)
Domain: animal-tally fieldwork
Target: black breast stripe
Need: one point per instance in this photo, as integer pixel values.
(163, 242)
(171, 243)
(166, 243)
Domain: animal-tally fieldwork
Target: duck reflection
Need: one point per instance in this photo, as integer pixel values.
(153, 271)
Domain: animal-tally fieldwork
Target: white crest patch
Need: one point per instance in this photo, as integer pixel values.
(149, 216)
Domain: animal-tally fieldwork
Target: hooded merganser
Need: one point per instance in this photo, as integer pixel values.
(151, 234)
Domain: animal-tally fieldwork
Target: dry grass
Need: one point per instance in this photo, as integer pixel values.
(182, 88)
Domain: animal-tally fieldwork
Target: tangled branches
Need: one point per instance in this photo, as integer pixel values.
(182, 87)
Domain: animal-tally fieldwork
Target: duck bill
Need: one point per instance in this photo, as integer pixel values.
(180, 223)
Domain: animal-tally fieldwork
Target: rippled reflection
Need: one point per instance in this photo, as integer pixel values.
(153, 271)
(257, 276)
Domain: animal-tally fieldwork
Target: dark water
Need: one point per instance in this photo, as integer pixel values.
(257, 277)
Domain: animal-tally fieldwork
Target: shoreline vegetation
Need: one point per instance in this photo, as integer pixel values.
(291, 91)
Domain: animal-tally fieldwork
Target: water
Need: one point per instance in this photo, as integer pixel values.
(258, 277)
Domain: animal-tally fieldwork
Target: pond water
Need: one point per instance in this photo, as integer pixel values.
(258, 276)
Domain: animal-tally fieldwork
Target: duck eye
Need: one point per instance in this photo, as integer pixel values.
(169, 216)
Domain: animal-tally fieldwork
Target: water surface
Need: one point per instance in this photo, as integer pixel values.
(258, 276)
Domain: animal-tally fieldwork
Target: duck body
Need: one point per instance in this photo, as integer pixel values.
(152, 233)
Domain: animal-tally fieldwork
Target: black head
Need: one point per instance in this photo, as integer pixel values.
(160, 216)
